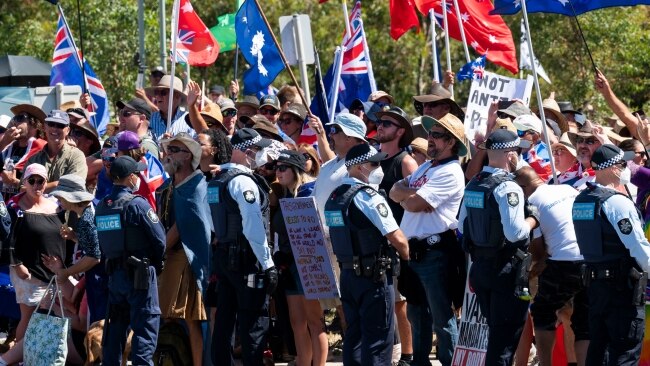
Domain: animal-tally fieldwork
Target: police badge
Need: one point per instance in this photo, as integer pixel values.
(3, 209)
(249, 196)
(382, 209)
(152, 216)
(513, 199)
(625, 226)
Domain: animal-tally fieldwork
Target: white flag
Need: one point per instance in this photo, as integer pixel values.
(524, 57)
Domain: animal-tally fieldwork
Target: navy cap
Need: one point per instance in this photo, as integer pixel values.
(609, 155)
(293, 158)
(247, 137)
(363, 153)
(58, 116)
(124, 165)
(501, 139)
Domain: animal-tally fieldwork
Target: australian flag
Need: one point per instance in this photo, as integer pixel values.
(357, 80)
(563, 7)
(257, 46)
(472, 70)
(66, 69)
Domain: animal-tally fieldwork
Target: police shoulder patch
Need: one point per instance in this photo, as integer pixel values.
(625, 226)
(382, 209)
(371, 192)
(152, 216)
(513, 199)
(3, 209)
(249, 196)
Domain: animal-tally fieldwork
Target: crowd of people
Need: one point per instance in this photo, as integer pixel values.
(157, 223)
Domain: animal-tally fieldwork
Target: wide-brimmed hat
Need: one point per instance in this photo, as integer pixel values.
(350, 124)
(89, 129)
(453, 125)
(72, 188)
(515, 109)
(293, 158)
(165, 82)
(249, 100)
(438, 94)
(552, 111)
(404, 122)
(420, 144)
(565, 142)
(613, 136)
(584, 130)
(567, 107)
(190, 143)
(211, 110)
(609, 155)
(503, 140)
(363, 153)
(32, 110)
(504, 124)
(373, 97)
(262, 125)
(527, 122)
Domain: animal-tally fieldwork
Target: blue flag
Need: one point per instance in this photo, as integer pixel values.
(472, 70)
(560, 6)
(66, 69)
(257, 46)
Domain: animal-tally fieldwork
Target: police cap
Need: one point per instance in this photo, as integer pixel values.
(123, 166)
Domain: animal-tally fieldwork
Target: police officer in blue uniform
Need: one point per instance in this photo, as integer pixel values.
(609, 231)
(246, 274)
(361, 225)
(496, 229)
(132, 240)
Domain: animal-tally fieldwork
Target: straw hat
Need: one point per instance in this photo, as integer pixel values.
(453, 125)
(565, 143)
(211, 110)
(165, 82)
(419, 144)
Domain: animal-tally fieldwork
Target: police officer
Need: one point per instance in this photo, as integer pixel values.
(132, 240)
(359, 234)
(496, 232)
(610, 236)
(239, 204)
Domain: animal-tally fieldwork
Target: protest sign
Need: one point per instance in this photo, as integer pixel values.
(308, 246)
(473, 333)
(492, 87)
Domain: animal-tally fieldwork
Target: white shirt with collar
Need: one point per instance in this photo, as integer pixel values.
(510, 199)
(246, 193)
(442, 186)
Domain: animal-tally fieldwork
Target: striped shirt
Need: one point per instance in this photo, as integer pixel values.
(158, 126)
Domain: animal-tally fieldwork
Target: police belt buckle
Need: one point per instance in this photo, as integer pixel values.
(433, 239)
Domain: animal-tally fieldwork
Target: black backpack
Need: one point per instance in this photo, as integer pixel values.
(173, 347)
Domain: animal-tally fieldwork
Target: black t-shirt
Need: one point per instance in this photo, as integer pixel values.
(38, 234)
(392, 168)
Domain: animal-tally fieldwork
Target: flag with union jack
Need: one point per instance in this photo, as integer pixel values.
(185, 38)
(195, 44)
(66, 69)
(472, 70)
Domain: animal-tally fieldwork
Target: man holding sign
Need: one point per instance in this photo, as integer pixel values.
(359, 231)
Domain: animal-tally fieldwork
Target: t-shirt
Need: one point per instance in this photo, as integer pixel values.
(555, 205)
(70, 160)
(442, 186)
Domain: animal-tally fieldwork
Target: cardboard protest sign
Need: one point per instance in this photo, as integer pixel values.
(473, 333)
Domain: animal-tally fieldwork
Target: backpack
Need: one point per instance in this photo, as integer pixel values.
(173, 348)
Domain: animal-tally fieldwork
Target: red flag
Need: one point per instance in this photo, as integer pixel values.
(196, 44)
(484, 32)
(402, 18)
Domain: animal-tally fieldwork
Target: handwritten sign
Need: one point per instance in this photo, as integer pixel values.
(473, 333)
(308, 246)
(484, 91)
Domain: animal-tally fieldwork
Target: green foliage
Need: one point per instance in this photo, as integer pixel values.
(618, 39)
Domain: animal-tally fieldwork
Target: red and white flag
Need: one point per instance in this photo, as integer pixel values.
(195, 43)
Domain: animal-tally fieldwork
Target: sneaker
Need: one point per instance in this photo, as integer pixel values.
(401, 363)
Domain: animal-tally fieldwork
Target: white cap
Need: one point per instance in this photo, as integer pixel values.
(528, 122)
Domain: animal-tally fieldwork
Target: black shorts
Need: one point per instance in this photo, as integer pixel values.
(559, 284)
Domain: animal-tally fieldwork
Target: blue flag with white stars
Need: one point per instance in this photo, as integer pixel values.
(472, 70)
(560, 6)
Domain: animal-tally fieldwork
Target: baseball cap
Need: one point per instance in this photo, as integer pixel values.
(125, 165)
(271, 101)
(226, 104)
(158, 70)
(217, 89)
(58, 116)
(294, 158)
(380, 94)
(502, 139)
(127, 140)
(138, 105)
(363, 153)
(351, 125)
(297, 109)
(609, 155)
(527, 122)
(247, 137)
(35, 169)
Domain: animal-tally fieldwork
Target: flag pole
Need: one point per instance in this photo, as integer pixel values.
(81, 45)
(338, 58)
(446, 25)
(537, 90)
(434, 49)
(593, 64)
(174, 35)
(284, 58)
(233, 95)
(348, 31)
(462, 30)
(320, 86)
(366, 51)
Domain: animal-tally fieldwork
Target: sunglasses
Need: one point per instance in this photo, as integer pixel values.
(307, 156)
(35, 181)
(55, 125)
(432, 104)
(386, 123)
(282, 168)
(286, 121)
(334, 130)
(588, 141)
(438, 135)
(268, 111)
(20, 118)
(559, 152)
(161, 92)
(108, 159)
(77, 133)
(622, 164)
(127, 113)
(175, 150)
(523, 133)
(229, 113)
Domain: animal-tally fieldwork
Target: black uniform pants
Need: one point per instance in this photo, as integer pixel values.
(493, 281)
(236, 302)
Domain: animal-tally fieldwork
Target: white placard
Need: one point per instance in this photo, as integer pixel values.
(472, 333)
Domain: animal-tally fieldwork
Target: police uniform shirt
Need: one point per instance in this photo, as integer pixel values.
(246, 193)
(330, 176)
(555, 205)
(442, 186)
(622, 214)
(374, 207)
(510, 199)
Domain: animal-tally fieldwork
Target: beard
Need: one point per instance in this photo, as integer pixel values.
(171, 166)
(384, 136)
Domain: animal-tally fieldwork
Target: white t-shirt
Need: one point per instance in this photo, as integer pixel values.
(442, 187)
(555, 205)
(330, 177)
